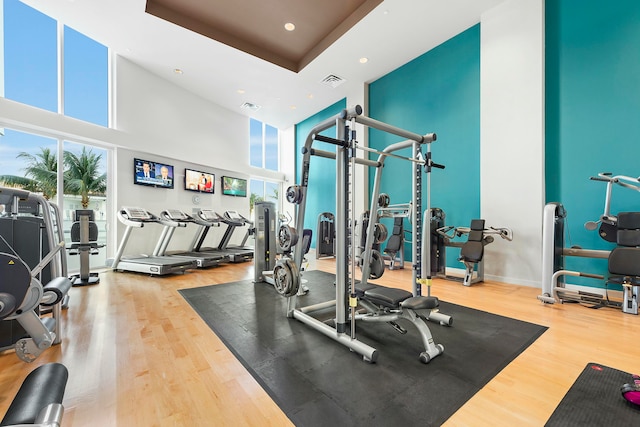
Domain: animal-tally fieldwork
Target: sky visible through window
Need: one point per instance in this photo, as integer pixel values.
(31, 76)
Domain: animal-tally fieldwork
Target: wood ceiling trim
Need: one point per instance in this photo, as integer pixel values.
(293, 64)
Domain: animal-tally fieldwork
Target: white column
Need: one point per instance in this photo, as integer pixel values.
(512, 137)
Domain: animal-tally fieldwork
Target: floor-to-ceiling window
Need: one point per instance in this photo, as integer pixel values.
(264, 153)
(50, 66)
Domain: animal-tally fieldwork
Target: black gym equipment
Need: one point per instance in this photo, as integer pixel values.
(39, 399)
(325, 235)
(84, 242)
(471, 250)
(31, 253)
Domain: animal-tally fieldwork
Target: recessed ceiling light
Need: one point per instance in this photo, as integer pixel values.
(240, 91)
(177, 70)
(310, 96)
(289, 26)
(364, 60)
(293, 107)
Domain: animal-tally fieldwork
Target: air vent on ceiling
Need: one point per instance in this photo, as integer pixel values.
(250, 106)
(332, 80)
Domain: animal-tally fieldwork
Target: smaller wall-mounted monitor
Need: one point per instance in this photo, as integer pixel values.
(154, 174)
(199, 181)
(234, 186)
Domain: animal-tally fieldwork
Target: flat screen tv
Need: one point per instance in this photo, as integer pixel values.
(234, 186)
(199, 181)
(154, 174)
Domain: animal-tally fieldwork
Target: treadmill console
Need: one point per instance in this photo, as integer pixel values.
(176, 215)
(233, 215)
(137, 214)
(208, 215)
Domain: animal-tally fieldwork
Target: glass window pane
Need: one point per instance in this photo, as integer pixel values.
(85, 187)
(271, 192)
(85, 78)
(30, 56)
(271, 148)
(30, 162)
(255, 143)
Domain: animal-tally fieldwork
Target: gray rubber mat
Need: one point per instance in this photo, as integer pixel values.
(318, 382)
(595, 400)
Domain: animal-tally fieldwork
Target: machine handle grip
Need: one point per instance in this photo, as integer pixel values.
(436, 165)
(592, 276)
(598, 178)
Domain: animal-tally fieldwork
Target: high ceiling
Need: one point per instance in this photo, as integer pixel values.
(234, 52)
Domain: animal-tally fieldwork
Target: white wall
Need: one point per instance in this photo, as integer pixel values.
(179, 128)
(512, 137)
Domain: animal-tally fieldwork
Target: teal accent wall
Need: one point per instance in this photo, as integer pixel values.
(592, 114)
(321, 196)
(437, 92)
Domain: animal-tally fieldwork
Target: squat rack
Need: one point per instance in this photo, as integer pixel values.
(346, 159)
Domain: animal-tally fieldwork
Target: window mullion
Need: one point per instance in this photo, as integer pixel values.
(60, 68)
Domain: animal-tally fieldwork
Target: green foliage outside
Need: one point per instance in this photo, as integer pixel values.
(82, 176)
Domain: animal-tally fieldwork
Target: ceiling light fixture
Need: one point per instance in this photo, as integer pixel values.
(240, 91)
(364, 60)
(177, 70)
(289, 26)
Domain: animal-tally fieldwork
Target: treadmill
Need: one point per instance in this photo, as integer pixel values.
(232, 219)
(134, 217)
(202, 259)
(235, 255)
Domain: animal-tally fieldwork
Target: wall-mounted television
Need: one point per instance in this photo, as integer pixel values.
(154, 174)
(234, 186)
(199, 181)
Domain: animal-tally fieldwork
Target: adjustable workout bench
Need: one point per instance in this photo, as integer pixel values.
(39, 400)
(387, 305)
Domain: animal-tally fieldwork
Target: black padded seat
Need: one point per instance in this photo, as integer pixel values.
(473, 249)
(362, 288)
(387, 297)
(420, 303)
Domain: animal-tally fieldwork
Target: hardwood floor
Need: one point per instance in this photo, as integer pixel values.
(138, 355)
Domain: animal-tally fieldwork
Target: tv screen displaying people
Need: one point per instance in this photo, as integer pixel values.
(203, 182)
(151, 173)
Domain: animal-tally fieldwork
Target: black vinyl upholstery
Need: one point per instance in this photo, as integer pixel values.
(43, 386)
(624, 260)
(473, 249)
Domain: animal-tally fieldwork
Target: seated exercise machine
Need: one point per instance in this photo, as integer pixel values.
(134, 217)
(623, 260)
(325, 236)
(39, 399)
(394, 248)
(364, 301)
(30, 238)
(202, 259)
(471, 251)
(84, 242)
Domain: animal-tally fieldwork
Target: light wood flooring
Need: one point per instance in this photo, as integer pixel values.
(138, 355)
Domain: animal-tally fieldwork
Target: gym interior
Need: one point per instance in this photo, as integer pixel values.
(489, 149)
